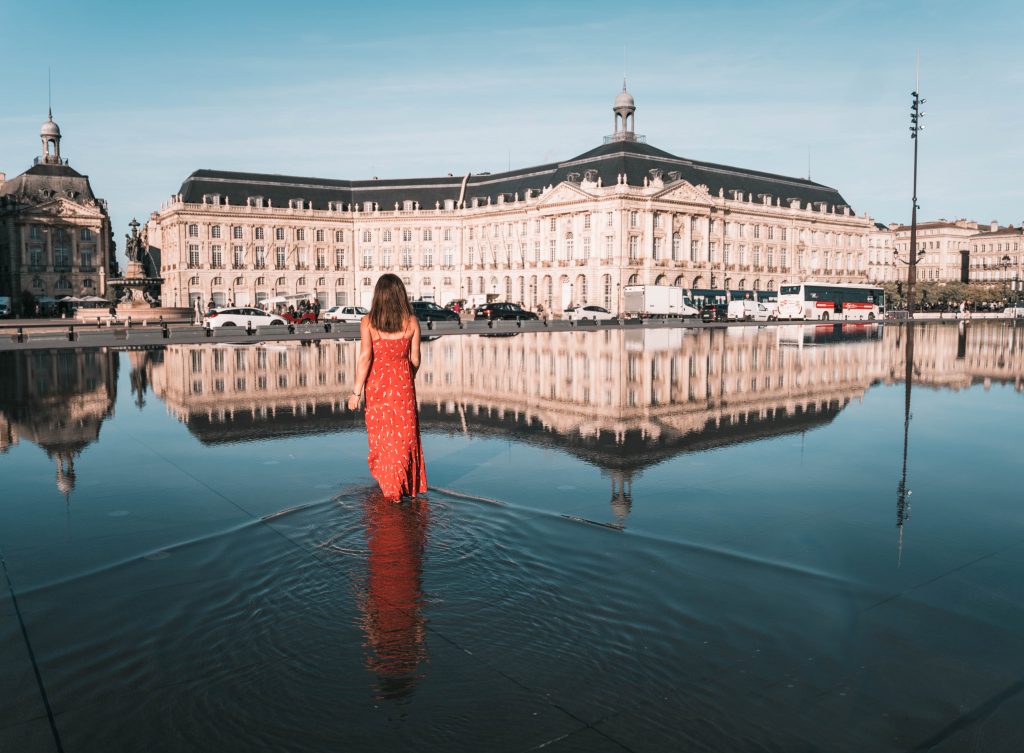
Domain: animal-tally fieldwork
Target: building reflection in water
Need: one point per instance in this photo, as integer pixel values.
(58, 400)
(391, 600)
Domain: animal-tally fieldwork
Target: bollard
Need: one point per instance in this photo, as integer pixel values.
(519, 321)
(71, 332)
(490, 324)
(209, 330)
(129, 323)
(430, 323)
(248, 327)
(291, 329)
(164, 331)
(327, 326)
(21, 335)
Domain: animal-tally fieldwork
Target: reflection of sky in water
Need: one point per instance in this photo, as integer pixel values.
(668, 535)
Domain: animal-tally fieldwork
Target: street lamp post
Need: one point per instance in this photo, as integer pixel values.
(915, 129)
(1015, 283)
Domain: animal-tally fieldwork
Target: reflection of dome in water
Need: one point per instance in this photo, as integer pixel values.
(66, 474)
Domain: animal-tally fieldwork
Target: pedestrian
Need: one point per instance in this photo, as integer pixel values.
(316, 311)
(389, 357)
(112, 311)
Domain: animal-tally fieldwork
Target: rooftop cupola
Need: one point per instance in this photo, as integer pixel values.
(625, 113)
(49, 133)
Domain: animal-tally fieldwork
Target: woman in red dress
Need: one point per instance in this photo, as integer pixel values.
(389, 356)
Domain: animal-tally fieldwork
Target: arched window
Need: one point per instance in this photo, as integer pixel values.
(661, 280)
(633, 280)
(757, 284)
(771, 284)
(728, 283)
(194, 280)
(680, 282)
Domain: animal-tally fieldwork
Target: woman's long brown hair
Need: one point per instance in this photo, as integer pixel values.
(390, 308)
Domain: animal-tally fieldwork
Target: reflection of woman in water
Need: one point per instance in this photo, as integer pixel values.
(392, 620)
(389, 356)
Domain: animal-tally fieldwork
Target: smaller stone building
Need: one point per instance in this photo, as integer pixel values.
(55, 235)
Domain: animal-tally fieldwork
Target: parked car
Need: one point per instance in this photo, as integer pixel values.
(241, 316)
(713, 312)
(428, 311)
(299, 317)
(492, 311)
(344, 314)
(1016, 311)
(577, 313)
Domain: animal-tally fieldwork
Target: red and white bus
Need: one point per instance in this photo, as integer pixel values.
(825, 301)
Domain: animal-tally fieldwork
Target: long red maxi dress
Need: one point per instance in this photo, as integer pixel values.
(392, 422)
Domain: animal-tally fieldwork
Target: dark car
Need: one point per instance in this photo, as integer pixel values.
(428, 311)
(714, 312)
(492, 311)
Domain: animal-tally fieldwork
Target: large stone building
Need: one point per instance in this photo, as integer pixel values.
(55, 236)
(573, 231)
(995, 255)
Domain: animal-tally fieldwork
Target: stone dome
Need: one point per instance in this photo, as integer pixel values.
(49, 128)
(625, 99)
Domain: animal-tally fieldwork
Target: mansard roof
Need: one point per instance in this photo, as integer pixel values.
(60, 179)
(632, 158)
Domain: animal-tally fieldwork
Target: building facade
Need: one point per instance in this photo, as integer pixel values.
(55, 234)
(576, 231)
(995, 256)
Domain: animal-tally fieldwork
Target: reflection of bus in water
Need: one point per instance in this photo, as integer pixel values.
(823, 301)
(827, 334)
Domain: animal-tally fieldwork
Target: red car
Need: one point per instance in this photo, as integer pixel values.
(299, 317)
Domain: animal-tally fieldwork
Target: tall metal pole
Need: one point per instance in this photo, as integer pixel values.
(915, 130)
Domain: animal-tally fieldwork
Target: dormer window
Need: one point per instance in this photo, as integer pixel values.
(407, 205)
(297, 204)
(211, 198)
(255, 201)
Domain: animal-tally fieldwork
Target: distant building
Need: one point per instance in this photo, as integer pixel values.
(55, 237)
(575, 231)
(995, 255)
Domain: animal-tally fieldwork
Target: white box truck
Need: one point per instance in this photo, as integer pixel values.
(664, 301)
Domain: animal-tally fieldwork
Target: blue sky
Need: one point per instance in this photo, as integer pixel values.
(146, 93)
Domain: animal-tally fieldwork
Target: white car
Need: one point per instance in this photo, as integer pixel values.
(241, 316)
(344, 314)
(1016, 311)
(576, 313)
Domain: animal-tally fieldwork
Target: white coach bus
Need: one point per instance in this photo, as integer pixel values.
(824, 301)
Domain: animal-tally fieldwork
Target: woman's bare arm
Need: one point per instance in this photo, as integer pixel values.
(363, 366)
(414, 347)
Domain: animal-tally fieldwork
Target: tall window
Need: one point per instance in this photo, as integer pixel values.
(656, 252)
(569, 247)
(771, 258)
(339, 258)
(193, 255)
(609, 247)
(407, 257)
(694, 250)
(448, 234)
(607, 283)
(216, 257)
(85, 235)
(407, 236)
(757, 256)
(215, 231)
(386, 236)
(279, 257)
(782, 258)
(385, 259)
(61, 248)
(586, 222)
(586, 246)
(279, 234)
(428, 235)
(259, 234)
(634, 248)
(319, 235)
(87, 258)
(321, 258)
(339, 236)
(449, 257)
(236, 256)
(193, 231)
(552, 251)
(367, 236)
(634, 219)
(675, 246)
(261, 257)
(726, 248)
(428, 257)
(236, 232)
(367, 258)
(300, 234)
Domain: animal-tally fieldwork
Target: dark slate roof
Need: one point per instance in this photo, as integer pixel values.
(59, 178)
(635, 159)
